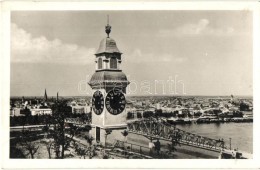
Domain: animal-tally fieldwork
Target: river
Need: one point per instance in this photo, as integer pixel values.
(241, 134)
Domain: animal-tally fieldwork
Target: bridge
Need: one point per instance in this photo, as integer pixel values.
(159, 129)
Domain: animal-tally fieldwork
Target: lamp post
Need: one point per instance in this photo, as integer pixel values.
(230, 143)
(125, 133)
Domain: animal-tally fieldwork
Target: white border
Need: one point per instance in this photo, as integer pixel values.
(113, 164)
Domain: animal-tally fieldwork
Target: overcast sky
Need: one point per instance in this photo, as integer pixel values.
(210, 52)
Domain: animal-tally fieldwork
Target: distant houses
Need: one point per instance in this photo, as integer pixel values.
(190, 106)
(42, 106)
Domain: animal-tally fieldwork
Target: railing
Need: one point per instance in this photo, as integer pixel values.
(159, 129)
(125, 149)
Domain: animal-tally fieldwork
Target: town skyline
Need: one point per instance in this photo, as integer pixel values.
(204, 48)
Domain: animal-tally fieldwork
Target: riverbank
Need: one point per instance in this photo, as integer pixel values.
(201, 120)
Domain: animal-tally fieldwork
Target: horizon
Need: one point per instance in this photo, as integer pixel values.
(145, 96)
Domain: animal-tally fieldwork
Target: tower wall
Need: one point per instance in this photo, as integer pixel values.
(116, 120)
(107, 121)
(105, 79)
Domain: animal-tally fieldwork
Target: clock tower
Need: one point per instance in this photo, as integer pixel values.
(109, 87)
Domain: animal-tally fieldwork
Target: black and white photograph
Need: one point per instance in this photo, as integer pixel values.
(131, 84)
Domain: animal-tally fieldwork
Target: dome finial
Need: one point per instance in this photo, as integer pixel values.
(108, 27)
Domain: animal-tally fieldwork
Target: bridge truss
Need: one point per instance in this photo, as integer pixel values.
(159, 129)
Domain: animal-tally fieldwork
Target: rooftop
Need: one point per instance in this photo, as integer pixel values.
(108, 45)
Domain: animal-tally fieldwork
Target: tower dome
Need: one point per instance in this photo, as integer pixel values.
(108, 61)
(107, 45)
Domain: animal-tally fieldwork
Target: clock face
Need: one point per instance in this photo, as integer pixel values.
(115, 102)
(98, 102)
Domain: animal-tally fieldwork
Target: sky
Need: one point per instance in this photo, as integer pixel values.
(164, 52)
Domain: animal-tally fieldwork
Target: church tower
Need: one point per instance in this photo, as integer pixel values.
(45, 96)
(109, 87)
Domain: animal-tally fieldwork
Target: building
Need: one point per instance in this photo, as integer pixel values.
(15, 112)
(80, 109)
(43, 111)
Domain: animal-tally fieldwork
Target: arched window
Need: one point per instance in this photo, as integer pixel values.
(113, 63)
(100, 63)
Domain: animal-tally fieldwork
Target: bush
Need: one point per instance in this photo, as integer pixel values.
(244, 107)
(29, 120)
(237, 114)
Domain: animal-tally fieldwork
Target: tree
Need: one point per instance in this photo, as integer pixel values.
(31, 147)
(60, 111)
(56, 136)
(47, 140)
(125, 133)
(89, 139)
(243, 106)
(81, 151)
(27, 144)
(49, 145)
(92, 151)
(26, 111)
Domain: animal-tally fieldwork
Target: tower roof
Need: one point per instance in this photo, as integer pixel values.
(108, 45)
(108, 78)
